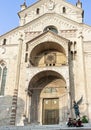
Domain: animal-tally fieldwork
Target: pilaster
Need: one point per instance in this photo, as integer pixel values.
(18, 73)
(81, 80)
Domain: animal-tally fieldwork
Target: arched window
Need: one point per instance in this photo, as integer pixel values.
(4, 41)
(3, 73)
(64, 10)
(51, 28)
(37, 11)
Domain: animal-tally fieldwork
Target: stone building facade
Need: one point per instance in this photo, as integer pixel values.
(45, 65)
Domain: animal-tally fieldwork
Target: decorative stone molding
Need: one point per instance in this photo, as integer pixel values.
(45, 20)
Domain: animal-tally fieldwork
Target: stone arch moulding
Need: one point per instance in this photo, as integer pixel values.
(60, 45)
(48, 37)
(45, 73)
(43, 48)
(39, 89)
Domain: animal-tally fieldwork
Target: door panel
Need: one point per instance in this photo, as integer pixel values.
(51, 111)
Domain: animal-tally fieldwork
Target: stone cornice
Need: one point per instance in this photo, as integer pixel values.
(9, 45)
(52, 17)
(87, 42)
(87, 53)
(86, 27)
(10, 32)
(57, 18)
(42, 2)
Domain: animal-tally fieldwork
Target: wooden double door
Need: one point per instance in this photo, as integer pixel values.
(50, 111)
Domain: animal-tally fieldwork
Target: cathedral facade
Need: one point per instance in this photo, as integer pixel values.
(45, 64)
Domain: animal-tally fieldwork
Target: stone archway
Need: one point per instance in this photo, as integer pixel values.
(48, 54)
(48, 86)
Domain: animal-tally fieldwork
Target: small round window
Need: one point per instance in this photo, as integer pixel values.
(51, 28)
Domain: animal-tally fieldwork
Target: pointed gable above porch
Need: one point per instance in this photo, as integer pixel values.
(48, 36)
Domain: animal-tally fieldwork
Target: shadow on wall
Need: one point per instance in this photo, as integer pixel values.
(6, 107)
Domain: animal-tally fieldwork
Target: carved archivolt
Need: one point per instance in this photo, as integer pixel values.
(47, 19)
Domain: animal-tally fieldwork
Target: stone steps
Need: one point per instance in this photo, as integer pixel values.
(44, 127)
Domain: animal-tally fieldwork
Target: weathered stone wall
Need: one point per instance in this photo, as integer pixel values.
(87, 58)
(50, 7)
(80, 70)
(5, 110)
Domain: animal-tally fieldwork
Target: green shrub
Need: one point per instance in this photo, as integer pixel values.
(84, 119)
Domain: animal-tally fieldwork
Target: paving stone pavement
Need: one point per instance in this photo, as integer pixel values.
(45, 127)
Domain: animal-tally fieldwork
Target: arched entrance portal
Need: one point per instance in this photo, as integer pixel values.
(48, 98)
